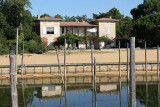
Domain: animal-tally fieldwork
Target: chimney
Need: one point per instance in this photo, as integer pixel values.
(110, 17)
(38, 16)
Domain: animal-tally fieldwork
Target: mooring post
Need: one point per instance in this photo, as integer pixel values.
(95, 73)
(158, 62)
(146, 59)
(127, 64)
(59, 66)
(92, 61)
(22, 60)
(132, 73)
(120, 86)
(16, 51)
(65, 60)
(119, 58)
(13, 78)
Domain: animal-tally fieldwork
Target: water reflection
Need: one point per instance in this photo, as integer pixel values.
(110, 94)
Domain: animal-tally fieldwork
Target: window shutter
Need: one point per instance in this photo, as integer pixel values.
(109, 31)
(44, 30)
(55, 30)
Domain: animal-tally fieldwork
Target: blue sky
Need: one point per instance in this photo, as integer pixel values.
(80, 7)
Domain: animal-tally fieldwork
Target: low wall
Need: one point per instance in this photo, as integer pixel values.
(78, 68)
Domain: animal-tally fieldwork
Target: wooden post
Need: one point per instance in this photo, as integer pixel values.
(158, 61)
(13, 78)
(95, 73)
(119, 58)
(92, 62)
(22, 60)
(146, 59)
(16, 50)
(127, 64)
(59, 66)
(132, 73)
(65, 60)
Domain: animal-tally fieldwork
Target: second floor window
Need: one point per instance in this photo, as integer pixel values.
(50, 30)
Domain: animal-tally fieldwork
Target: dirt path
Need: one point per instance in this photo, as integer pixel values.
(80, 57)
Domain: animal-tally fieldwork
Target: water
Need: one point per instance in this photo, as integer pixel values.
(107, 94)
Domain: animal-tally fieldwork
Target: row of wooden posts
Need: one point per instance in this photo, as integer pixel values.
(13, 73)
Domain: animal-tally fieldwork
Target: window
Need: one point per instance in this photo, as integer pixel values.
(107, 31)
(62, 30)
(50, 30)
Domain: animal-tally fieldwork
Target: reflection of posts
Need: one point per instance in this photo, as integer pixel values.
(128, 93)
(120, 91)
(132, 73)
(13, 78)
(158, 94)
(146, 93)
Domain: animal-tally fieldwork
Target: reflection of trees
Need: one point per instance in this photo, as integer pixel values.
(28, 96)
(5, 97)
(152, 94)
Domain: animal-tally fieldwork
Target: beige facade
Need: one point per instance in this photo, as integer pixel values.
(107, 29)
(50, 28)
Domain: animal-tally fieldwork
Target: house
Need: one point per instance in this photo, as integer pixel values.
(50, 28)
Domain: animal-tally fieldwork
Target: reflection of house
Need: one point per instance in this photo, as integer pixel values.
(107, 89)
(50, 28)
(51, 92)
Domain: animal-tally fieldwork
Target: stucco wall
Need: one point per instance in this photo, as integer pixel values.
(54, 24)
(111, 25)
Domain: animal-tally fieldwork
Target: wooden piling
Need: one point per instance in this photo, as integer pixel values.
(22, 60)
(92, 61)
(127, 64)
(16, 50)
(65, 60)
(119, 58)
(146, 59)
(95, 73)
(59, 66)
(132, 73)
(13, 78)
(158, 62)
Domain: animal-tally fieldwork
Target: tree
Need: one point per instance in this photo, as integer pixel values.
(45, 15)
(147, 8)
(114, 13)
(148, 28)
(58, 16)
(126, 27)
(76, 18)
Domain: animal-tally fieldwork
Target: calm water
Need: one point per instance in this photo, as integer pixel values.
(81, 95)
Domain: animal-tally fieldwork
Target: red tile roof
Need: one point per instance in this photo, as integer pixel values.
(76, 24)
(49, 19)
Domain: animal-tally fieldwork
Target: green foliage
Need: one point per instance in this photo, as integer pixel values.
(70, 39)
(78, 18)
(58, 16)
(147, 8)
(148, 28)
(45, 15)
(105, 39)
(12, 14)
(34, 47)
(114, 13)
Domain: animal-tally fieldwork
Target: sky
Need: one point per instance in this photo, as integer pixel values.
(80, 7)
